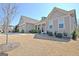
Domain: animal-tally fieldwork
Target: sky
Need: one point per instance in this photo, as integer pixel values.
(38, 10)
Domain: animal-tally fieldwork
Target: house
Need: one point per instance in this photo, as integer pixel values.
(58, 20)
(26, 24)
(1, 30)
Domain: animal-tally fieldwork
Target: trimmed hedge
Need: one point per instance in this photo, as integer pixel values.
(33, 31)
(39, 31)
(65, 34)
(74, 35)
(49, 33)
(22, 31)
(55, 33)
(59, 35)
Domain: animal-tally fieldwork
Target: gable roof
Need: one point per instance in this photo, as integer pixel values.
(29, 20)
(59, 9)
(25, 19)
(56, 9)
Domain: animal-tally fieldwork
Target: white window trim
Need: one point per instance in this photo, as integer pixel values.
(63, 23)
(50, 24)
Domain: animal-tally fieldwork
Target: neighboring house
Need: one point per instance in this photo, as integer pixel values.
(26, 24)
(10, 28)
(1, 30)
(58, 20)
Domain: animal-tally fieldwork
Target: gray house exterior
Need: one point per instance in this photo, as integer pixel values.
(58, 20)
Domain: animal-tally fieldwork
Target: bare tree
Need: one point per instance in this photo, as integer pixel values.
(9, 11)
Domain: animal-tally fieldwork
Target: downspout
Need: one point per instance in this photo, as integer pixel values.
(75, 18)
(70, 25)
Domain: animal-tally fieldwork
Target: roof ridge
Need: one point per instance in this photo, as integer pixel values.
(29, 18)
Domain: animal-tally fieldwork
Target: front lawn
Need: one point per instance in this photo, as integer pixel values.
(39, 46)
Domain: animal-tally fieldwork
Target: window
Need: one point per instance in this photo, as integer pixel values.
(50, 24)
(61, 24)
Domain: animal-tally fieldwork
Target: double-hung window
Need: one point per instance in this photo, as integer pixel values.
(61, 24)
(50, 24)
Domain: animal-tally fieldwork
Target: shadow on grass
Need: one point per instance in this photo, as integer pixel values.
(52, 38)
(3, 54)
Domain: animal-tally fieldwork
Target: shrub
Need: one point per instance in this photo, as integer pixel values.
(55, 33)
(16, 29)
(49, 33)
(74, 35)
(39, 31)
(22, 31)
(59, 35)
(65, 34)
(33, 31)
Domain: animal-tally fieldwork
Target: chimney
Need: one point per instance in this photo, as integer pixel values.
(42, 18)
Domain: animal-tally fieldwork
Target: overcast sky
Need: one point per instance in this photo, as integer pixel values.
(37, 10)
